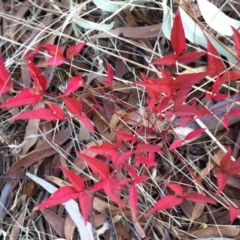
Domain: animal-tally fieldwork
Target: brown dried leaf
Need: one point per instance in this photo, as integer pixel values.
(210, 232)
(31, 132)
(69, 227)
(17, 227)
(116, 117)
(45, 150)
(55, 221)
(132, 32)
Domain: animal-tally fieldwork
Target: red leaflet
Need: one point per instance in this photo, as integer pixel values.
(56, 110)
(62, 195)
(55, 51)
(178, 39)
(66, 193)
(185, 81)
(148, 161)
(110, 187)
(236, 36)
(53, 114)
(5, 83)
(194, 134)
(177, 143)
(36, 74)
(73, 105)
(229, 76)
(198, 198)
(74, 50)
(119, 159)
(176, 188)
(172, 201)
(41, 113)
(110, 74)
(234, 112)
(215, 64)
(190, 57)
(185, 111)
(125, 136)
(28, 96)
(96, 165)
(233, 212)
(167, 60)
(73, 84)
(75, 180)
(87, 122)
(227, 167)
(133, 198)
(105, 149)
(166, 202)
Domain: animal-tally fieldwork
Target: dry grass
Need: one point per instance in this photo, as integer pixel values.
(40, 147)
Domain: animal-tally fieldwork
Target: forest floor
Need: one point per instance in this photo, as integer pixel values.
(135, 124)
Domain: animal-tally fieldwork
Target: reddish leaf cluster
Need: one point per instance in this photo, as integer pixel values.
(171, 201)
(31, 96)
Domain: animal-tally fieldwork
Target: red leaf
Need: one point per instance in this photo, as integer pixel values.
(236, 36)
(222, 178)
(111, 189)
(190, 57)
(215, 64)
(225, 122)
(87, 122)
(96, 165)
(73, 84)
(110, 74)
(55, 51)
(74, 50)
(233, 212)
(125, 136)
(194, 134)
(229, 76)
(28, 96)
(133, 198)
(178, 39)
(118, 160)
(148, 161)
(36, 74)
(177, 143)
(185, 111)
(56, 110)
(161, 85)
(62, 195)
(140, 179)
(176, 188)
(105, 149)
(216, 85)
(5, 83)
(41, 113)
(73, 105)
(50, 48)
(85, 202)
(235, 167)
(185, 81)
(166, 202)
(233, 113)
(226, 161)
(75, 180)
(198, 198)
(167, 60)
(54, 61)
(220, 97)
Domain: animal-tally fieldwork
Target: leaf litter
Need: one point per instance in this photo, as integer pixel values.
(101, 95)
